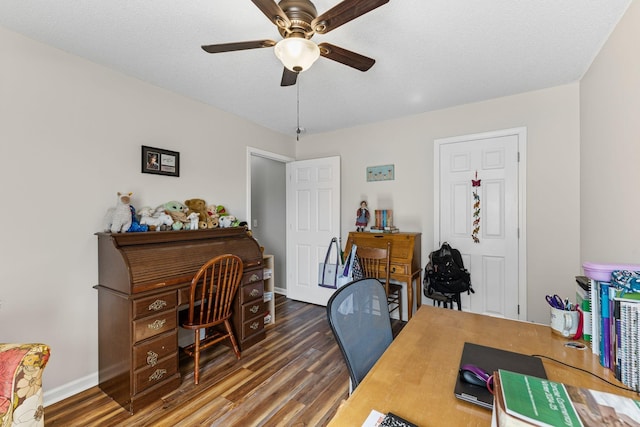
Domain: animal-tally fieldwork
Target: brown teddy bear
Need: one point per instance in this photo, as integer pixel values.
(213, 214)
(200, 207)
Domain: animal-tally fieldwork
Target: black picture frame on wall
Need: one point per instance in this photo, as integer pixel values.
(160, 162)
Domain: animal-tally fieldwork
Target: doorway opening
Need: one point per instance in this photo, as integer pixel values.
(266, 207)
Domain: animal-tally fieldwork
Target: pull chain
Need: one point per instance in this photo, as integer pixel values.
(298, 112)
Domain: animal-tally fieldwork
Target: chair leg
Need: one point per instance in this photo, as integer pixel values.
(196, 357)
(400, 305)
(236, 350)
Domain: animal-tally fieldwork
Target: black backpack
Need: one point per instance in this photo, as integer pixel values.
(445, 272)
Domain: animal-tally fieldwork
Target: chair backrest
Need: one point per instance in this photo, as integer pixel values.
(375, 262)
(213, 288)
(358, 315)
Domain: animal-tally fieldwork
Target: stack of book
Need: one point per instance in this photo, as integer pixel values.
(384, 222)
(615, 327)
(523, 400)
(583, 301)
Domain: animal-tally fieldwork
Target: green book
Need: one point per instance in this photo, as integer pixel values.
(528, 400)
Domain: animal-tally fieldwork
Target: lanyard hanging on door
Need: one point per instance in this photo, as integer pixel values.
(476, 209)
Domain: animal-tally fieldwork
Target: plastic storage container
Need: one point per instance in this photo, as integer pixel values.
(602, 272)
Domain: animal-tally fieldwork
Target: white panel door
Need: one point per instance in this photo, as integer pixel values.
(313, 218)
(493, 260)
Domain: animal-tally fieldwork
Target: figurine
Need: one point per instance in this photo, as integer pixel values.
(362, 216)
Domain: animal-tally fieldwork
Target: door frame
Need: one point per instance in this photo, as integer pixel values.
(521, 133)
(252, 151)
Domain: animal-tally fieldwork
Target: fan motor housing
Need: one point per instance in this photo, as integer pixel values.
(300, 13)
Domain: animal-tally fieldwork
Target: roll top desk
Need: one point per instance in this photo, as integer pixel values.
(144, 278)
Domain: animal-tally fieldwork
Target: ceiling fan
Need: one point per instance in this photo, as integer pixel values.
(297, 22)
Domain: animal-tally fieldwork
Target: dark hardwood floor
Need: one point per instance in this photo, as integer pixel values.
(295, 377)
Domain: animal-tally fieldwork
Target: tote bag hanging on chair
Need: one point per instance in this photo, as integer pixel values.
(328, 271)
(335, 274)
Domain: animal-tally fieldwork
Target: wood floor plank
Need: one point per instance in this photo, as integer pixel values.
(294, 377)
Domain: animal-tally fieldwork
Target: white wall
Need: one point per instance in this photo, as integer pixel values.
(553, 187)
(610, 149)
(71, 133)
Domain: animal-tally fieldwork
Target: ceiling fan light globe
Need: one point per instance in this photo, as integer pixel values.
(297, 54)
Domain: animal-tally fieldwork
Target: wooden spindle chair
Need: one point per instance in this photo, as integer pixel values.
(376, 263)
(213, 289)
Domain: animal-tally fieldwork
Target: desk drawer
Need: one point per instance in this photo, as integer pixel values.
(152, 375)
(251, 292)
(154, 325)
(155, 304)
(151, 351)
(252, 326)
(403, 269)
(251, 276)
(253, 309)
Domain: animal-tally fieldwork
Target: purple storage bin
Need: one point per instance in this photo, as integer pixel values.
(602, 272)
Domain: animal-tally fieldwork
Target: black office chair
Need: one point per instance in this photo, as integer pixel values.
(358, 315)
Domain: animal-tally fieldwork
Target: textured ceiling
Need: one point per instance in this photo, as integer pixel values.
(430, 54)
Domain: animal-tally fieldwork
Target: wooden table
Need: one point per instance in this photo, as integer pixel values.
(416, 375)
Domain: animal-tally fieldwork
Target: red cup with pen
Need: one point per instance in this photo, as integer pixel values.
(566, 319)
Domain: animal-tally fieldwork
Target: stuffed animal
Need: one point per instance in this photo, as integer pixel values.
(178, 213)
(220, 210)
(227, 221)
(193, 218)
(175, 206)
(135, 224)
(200, 207)
(180, 220)
(213, 215)
(154, 223)
(146, 211)
(118, 218)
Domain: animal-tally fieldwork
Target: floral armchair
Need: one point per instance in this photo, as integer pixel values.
(21, 367)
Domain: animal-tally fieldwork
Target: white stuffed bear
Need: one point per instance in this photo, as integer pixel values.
(118, 219)
(193, 218)
(227, 221)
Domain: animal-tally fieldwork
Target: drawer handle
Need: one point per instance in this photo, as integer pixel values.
(158, 374)
(152, 358)
(393, 269)
(254, 278)
(254, 325)
(254, 309)
(158, 304)
(254, 292)
(158, 324)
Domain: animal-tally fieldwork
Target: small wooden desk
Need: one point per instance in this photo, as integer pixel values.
(406, 266)
(416, 376)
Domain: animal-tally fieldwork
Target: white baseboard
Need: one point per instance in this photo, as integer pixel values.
(66, 390)
(81, 384)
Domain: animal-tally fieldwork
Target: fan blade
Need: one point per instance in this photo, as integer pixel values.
(346, 57)
(343, 13)
(230, 47)
(288, 77)
(273, 12)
